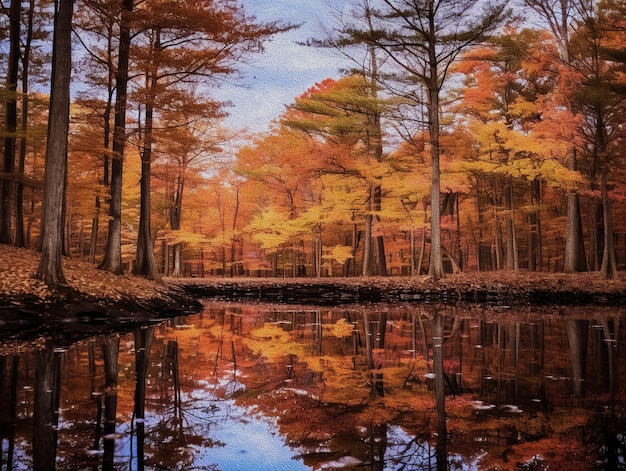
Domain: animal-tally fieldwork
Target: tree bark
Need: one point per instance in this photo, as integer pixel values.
(435, 269)
(10, 119)
(55, 178)
(575, 260)
(113, 253)
(20, 236)
(609, 265)
(145, 261)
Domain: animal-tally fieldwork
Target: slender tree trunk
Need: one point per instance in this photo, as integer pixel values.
(55, 179)
(234, 268)
(20, 236)
(10, 118)
(113, 254)
(534, 247)
(574, 260)
(95, 222)
(145, 261)
(175, 221)
(379, 247)
(609, 265)
(512, 262)
(435, 269)
(366, 269)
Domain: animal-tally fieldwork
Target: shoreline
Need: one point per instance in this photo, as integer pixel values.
(96, 302)
(95, 293)
(483, 288)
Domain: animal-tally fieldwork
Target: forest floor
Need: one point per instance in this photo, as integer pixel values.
(88, 289)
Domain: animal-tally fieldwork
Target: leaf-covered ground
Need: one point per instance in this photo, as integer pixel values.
(19, 288)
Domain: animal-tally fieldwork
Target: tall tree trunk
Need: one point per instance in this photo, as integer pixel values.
(113, 253)
(379, 241)
(10, 118)
(512, 262)
(534, 232)
(366, 269)
(175, 220)
(435, 269)
(20, 236)
(95, 222)
(145, 261)
(106, 133)
(55, 179)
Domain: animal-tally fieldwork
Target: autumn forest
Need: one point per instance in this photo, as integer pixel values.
(465, 136)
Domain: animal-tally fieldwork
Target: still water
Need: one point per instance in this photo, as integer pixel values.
(260, 387)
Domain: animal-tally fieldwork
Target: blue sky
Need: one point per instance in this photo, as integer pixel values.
(286, 69)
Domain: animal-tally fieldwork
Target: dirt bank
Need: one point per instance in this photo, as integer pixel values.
(496, 287)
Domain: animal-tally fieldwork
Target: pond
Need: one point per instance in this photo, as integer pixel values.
(265, 387)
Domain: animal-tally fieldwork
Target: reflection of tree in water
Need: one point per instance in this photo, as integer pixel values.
(110, 350)
(496, 367)
(46, 408)
(8, 399)
(509, 378)
(182, 422)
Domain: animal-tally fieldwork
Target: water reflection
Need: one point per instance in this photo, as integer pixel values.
(241, 387)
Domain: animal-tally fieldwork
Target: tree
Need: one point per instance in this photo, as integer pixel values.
(347, 114)
(10, 122)
(189, 141)
(507, 102)
(101, 21)
(602, 109)
(284, 164)
(33, 31)
(357, 42)
(50, 268)
(423, 38)
(559, 18)
(113, 253)
(184, 43)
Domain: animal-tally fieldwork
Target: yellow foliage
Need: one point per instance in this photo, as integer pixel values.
(273, 343)
(339, 253)
(341, 329)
